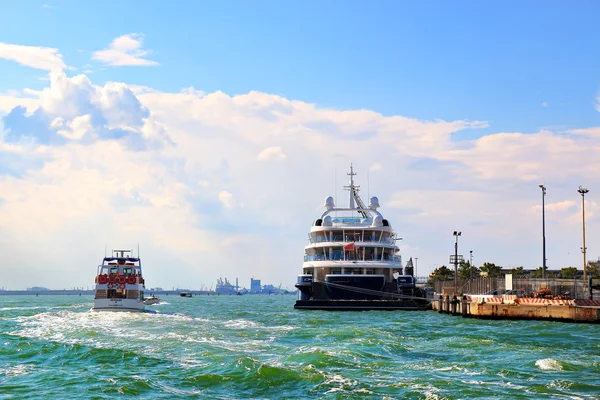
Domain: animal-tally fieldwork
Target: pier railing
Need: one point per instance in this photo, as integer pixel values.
(573, 288)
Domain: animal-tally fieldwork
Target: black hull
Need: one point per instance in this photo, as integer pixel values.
(387, 298)
(363, 305)
(355, 287)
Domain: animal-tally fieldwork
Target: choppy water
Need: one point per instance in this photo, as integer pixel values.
(242, 347)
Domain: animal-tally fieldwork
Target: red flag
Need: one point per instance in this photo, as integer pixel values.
(349, 246)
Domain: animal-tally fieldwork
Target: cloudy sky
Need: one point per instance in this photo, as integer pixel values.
(211, 132)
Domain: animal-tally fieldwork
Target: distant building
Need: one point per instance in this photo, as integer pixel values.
(255, 286)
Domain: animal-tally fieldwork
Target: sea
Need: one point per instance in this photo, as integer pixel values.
(260, 347)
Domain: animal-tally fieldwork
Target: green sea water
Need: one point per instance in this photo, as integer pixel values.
(259, 347)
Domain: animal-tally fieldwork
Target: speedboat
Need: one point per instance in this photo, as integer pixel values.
(151, 300)
(352, 261)
(119, 283)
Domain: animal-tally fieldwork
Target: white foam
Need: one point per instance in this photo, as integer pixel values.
(21, 369)
(240, 324)
(548, 364)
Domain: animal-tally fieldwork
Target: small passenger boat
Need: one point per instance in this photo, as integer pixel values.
(119, 283)
(185, 294)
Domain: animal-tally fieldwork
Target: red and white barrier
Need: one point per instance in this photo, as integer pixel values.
(583, 302)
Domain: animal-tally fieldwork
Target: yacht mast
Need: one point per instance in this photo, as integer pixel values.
(351, 188)
(354, 197)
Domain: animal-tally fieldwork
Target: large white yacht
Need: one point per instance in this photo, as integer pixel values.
(119, 283)
(352, 260)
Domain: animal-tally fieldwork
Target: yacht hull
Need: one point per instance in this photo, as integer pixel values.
(355, 287)
(363, 305)
(388, 298)
(118, 305)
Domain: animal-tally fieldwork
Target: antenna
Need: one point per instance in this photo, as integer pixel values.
(138, 244)
(368, 186)
(335, 183)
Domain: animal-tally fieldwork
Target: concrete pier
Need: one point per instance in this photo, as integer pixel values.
(511, 307)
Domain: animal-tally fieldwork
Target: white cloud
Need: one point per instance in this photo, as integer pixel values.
(227, 199)
(78, 127)
(206, 190)
(8, 101)
(125, 50)
(45, 58)
(271, 153)
(545, 104)
(376, 166)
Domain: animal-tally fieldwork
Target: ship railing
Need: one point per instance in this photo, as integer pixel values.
(340, 257)
(391, 295)
(350, 238)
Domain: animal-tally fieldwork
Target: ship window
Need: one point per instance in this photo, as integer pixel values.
(336, 271)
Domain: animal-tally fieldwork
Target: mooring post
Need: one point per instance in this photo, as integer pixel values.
(440, 303)
(464, 306)
(454, 303)
(447, 304)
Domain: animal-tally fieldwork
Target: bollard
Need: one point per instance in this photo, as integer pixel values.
(454, 302)
(447, 304)
(463, 306)
(440, 303)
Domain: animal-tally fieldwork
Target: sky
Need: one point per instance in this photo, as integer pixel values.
(209, 133)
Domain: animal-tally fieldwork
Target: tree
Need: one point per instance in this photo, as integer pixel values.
(442, 273)
(568, 273)
(491, 269)
(517, 272)
(466, 271)
(538, 273)
(593, 270)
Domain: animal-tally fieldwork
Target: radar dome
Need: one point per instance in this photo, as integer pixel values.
(329, 203)
(374, 203)
(378, 220)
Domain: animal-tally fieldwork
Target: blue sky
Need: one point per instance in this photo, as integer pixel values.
(205, 123)
(492, 61)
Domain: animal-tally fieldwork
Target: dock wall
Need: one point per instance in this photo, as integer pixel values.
(510, 307)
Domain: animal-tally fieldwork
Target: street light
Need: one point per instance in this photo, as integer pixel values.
(456, 235)
(543, 232)
(471, 264)
(583, 191)
(416, 276)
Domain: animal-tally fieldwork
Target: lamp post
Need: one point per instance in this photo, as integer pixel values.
(456, 235)
(416, 276)
(543, 231)
(583, 191)
(470, 269)
(471, 263)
